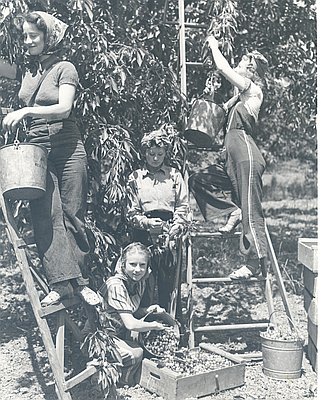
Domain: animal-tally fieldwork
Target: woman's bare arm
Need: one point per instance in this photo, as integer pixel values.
(224, 67)
(133, 324)
(57, 111)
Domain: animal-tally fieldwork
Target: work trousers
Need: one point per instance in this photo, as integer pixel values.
(162, 265)
(58, 216)
(132, 356)
(242, 176)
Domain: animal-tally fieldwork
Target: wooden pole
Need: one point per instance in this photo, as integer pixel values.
(182, 48)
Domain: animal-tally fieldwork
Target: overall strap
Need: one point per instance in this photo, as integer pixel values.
(42, 78)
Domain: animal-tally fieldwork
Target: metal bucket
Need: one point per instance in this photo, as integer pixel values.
(204, 124)
(23, 171)
(282, 359)
(165, 318)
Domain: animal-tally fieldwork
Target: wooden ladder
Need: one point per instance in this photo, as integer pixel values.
(192, 280)
(54, 349)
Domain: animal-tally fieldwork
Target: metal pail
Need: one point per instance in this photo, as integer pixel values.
(165, 318)
(204, 124)
(282, 359)
(23, 171)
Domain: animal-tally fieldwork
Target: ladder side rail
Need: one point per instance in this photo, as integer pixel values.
(269, 296)
(278, 276)
(182, 46)
(189, 280)
(177, 279)
(34, 300)
(60, 339)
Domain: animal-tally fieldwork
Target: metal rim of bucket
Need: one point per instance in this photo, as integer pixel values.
(283, 340)
(24, 144)
(298, 340)
(170, 319)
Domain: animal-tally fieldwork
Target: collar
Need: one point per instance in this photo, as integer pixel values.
(147, 172)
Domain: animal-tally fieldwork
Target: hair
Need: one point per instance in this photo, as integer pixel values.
(135, 247)
(31, 18)
(37, 20)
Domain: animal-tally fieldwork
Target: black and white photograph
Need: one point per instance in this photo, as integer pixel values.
(159, 200)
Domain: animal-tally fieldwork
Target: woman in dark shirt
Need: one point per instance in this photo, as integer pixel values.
(58, 216)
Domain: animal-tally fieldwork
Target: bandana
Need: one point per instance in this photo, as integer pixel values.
(261, 62)
(56, 30)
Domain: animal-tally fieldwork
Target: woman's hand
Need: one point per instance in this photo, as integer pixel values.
(155, 225)
(212, 42)
(155, 308)
(157, 326)
(11, 120)
(175, 231)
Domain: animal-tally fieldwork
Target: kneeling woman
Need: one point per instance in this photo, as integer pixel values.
(122, 295)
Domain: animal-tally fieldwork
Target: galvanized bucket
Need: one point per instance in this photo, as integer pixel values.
(23, 170)
(204, 124)
(165, 318)
(282, 359)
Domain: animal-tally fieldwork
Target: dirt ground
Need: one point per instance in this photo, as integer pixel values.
(25, 373)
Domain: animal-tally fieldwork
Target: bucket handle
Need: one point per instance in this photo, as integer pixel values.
(292, 325)
(16, 141)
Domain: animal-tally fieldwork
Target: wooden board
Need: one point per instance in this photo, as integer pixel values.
(173, 386)
(307, 296)
(313, 331)
(313, 355)
(308, 253)
(310, 280)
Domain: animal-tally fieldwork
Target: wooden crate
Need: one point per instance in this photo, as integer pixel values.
(308, 256)
(308, 253)
(173, 386)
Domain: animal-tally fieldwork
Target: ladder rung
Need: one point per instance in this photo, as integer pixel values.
(24, 242)
(194, 63)
(188, 24)
(216, 235)
(89, 371)
(66, 303)
(227, 280)
(257, 325)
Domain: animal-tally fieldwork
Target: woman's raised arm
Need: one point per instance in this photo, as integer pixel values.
(7, 70)
(224, 67)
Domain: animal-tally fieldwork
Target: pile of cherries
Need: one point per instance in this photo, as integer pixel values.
(195, 361)
(162, 343)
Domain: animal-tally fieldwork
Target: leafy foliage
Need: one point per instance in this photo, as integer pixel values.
(126, 53)
(105, 357)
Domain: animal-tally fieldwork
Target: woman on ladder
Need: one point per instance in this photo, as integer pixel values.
(244, 164)
(48, 87)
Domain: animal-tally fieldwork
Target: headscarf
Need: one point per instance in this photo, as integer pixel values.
(56, 30)
(261, 62)
(160, 137)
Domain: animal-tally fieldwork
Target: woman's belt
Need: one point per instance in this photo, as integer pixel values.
(163, 215)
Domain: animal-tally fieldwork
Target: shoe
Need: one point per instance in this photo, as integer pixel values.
(60, 290)
(234, 219)
(88, 295)
(242, 273)
(52, 297)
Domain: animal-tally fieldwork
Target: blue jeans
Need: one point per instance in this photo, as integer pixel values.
(58, 216)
